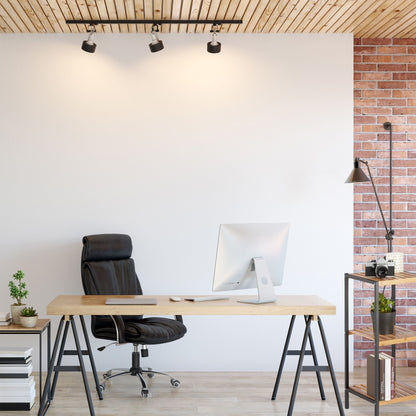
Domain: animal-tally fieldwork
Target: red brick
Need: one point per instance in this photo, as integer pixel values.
(392, 119)
(392, 67)
(404, 110)
(377, 76)
(387, 49)
(411, 50)
(392, 84)
(404, 76)
(404, 93)
(377, 94)
(404, 41)
(394, 102)
(406, 59)
(411, 102)
(357, 41)
(365, 119)
(366, 67)
(358, 58)
(375, 58)
(365, 85)
(359, 50)
(357, 76)
(376, 41)
(376, 110)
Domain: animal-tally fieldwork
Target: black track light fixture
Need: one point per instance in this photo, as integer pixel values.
(155, 45)
(89, 45)
(214, 46)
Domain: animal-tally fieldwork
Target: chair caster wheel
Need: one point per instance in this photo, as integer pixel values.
(102, 387)
(107, 375)
(150, 375)
(145, 393)
(175, 383)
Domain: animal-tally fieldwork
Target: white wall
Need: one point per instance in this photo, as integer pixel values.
(165, 147)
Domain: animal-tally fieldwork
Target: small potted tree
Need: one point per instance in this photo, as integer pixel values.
(28, 317)
(386, 316)
(18, 292)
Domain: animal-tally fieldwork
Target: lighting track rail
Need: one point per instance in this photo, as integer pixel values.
(153, 22)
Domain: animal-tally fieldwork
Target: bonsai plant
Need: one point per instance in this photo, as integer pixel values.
(386, 316)
(28, 317)
(18, 292)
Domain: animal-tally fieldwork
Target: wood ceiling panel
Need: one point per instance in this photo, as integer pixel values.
(363, 18)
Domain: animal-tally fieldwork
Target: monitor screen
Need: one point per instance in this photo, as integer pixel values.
(240, 244)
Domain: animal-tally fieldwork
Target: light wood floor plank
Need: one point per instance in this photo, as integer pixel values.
(212, 394)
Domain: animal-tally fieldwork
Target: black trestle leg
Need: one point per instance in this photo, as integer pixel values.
(81, 363)
(299, 368)
(58, 363)
(92, 362)
(315, 361)
(284, 354)
(44, 402)
(331, 368)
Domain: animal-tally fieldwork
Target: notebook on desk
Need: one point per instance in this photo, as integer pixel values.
(131, 301)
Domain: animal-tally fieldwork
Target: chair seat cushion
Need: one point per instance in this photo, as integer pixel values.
(150, 331)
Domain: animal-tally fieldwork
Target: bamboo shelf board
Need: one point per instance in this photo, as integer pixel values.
(398, 279)
(402, 393)
(399, 335)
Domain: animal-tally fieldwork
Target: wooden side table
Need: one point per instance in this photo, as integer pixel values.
(39, 329)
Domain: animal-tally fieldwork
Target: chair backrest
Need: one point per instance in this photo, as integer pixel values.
(106, 266)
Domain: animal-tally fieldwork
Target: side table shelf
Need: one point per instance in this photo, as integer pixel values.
(402, 392)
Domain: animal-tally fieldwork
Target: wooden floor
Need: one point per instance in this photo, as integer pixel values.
(215, 394)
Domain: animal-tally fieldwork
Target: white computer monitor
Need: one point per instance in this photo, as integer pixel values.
(249, 256)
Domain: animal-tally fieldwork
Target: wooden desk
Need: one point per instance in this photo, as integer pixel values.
(310, 307)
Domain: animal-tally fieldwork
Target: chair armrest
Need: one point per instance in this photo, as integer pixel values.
(120, 328)
(179, 318)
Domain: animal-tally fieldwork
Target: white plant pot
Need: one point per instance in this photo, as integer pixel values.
(16, 310)
(28, 321)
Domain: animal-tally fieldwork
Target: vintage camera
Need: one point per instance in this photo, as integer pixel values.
(380, 268)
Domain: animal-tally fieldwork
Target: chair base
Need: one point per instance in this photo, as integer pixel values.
(139, 372)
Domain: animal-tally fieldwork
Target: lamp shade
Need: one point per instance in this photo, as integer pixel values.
(357, 174)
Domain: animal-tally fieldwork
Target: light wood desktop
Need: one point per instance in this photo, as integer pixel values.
(308, 306)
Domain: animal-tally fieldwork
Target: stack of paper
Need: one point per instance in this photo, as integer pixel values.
(5, 318)
(17, 386)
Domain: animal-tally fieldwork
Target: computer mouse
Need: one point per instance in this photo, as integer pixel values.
(175, 298)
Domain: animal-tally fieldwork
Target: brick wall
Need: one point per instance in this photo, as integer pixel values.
(385, 90)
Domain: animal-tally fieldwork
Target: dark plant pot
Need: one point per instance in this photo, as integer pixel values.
(386, 322)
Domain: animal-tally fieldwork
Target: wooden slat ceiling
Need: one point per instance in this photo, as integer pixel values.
(363, 18)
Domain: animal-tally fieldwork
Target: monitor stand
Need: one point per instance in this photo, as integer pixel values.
(264, 282)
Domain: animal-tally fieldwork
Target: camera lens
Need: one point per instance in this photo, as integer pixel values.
(381, 271)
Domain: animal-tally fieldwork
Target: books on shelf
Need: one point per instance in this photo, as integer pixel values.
(386, 374)
(5, 318)
(17, 385)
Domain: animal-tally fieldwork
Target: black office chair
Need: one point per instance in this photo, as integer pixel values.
(107, 269)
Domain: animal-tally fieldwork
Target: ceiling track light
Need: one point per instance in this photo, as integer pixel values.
(155, 45)
(89, 45)
(214, 46)
(153, 22)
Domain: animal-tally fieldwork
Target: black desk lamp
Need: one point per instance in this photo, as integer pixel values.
(357, 175)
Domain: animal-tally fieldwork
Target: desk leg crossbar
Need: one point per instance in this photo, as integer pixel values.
(45, 400)
(316, 367)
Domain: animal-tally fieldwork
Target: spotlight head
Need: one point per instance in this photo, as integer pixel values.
(214, 46)
(89, 45)
(155, 45)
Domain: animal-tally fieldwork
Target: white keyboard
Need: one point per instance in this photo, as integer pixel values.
(207, 298)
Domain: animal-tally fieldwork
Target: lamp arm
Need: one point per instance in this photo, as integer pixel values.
(389, 232)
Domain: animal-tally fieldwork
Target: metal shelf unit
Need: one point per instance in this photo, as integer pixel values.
(400, 335)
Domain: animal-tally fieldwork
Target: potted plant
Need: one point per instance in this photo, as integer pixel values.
(386, 316)
(18, 292)
(28, 317)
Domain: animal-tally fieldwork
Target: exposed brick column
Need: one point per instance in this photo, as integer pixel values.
(385, 90)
